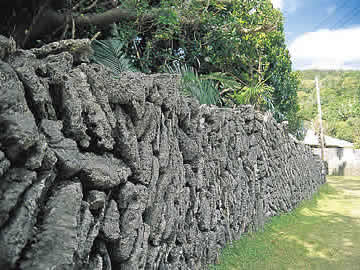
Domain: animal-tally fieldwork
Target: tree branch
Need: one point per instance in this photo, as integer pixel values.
(50, 19)
(265, 28)
(111, 16)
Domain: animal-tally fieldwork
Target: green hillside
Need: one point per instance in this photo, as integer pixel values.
(340, 100)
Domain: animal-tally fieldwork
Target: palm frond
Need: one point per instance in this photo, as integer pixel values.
(228, 81)
(203, 90)
(109, 53)
(260, 95)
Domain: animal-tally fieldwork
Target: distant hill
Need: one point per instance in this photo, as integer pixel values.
(340, 100)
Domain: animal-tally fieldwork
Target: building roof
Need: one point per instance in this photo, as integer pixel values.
(312, 139)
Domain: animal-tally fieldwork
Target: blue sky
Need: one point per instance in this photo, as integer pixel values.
(322, 34)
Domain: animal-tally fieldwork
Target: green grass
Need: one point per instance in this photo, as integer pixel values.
(322, 233)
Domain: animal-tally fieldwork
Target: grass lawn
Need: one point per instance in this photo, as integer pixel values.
(323, 233)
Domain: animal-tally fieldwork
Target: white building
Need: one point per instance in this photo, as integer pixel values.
(340, 155)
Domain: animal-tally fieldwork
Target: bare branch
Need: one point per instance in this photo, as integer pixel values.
(110, 16)
(49, 19)
(73, 28)
(95, 36)
(91, 6)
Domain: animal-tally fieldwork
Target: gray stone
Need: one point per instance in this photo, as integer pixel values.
(83, 112)
(57, 240)
(101, 248)
(4, 164)
(167, 183)
(126, 140)
(37, 154)
(88, 230)
(80, 49)
(38, 92)
(66, 150)
(110, 225)
(7, 46)
(132, 201)
(96, 262)
(49, 160)
(18, 131)
(56, 66)
(96, 199)
(103, 172)
(12, 186)
(20, 229)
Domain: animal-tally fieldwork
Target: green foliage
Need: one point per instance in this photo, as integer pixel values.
(260, 95)
(204, 90)
(109, 53)
(236, 43)
(357, 143)
(226, 81)
(340, 102)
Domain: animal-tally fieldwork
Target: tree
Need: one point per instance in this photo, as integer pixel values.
(238, 39)
(339, 99)
(32, 19)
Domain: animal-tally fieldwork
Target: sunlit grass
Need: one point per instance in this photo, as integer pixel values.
(323, 233)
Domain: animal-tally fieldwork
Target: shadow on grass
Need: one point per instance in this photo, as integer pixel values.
(322, 233)
(321, 240)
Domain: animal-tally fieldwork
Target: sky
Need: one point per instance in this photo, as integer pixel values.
(322, 34)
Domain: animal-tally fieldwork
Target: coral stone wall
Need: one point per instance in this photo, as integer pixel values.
(99, 171)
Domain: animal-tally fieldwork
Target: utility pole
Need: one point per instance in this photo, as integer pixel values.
(322, 144)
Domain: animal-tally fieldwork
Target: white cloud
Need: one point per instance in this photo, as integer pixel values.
(278, 4)
(327, 49)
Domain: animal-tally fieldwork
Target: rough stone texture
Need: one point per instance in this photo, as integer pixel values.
(103, 172)
(57, 240)
(4, 164)
(20, 227)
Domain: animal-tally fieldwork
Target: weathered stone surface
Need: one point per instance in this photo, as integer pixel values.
(126, 140)
(110, 225)
(36, 154)
(102, 251)
(96, 263)
(103, 172)
(7, 46)
(83, 113)
(20, 229)
(4, 164)
(132, 202)
(38, 92)
(121, 172)
(88, 230)
(79, 48)
(12, 187)
(57, 241)
(96, 199)
(66, 150)
(18, 131)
